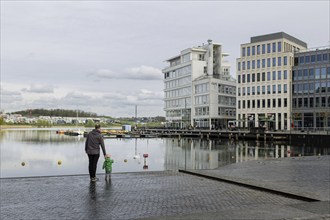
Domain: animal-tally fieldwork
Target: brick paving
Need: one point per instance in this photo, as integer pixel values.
(163, 195)
(305, 176)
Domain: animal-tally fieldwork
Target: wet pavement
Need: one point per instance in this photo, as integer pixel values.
(175, 195)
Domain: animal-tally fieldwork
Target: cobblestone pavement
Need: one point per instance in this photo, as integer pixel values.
(153, 195)
(304, 176)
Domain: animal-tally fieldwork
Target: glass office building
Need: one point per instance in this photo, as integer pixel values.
(311, 89)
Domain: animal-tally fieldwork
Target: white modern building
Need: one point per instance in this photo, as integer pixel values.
(264, 79)
(198, 88)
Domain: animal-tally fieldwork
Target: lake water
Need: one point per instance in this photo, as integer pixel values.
(46, 153)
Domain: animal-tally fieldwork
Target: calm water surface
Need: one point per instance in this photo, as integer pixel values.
(42, 149)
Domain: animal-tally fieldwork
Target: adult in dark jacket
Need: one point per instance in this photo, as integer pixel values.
(92, 148)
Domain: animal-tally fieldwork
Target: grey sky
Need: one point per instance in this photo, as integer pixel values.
(107, 56)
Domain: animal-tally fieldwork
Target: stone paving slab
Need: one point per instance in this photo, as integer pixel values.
(303, 176)
(155, 195)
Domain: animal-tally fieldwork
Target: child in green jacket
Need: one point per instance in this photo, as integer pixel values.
(107, 165)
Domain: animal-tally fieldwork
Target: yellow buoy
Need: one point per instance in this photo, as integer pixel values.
(59, 162)
(23, 164)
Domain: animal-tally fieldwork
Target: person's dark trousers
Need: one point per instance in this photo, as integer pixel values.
(93, 158)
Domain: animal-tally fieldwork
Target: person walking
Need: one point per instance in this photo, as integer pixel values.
(92, 148)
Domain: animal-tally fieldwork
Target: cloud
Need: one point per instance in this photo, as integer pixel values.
(135, 73)
(39, 89)
(8, 96)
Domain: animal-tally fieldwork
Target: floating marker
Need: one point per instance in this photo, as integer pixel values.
(125, 160)
(59, 162)
(23, 164)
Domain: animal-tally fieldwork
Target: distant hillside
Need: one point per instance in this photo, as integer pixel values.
(55, 112)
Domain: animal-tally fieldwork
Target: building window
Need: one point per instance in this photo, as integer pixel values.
(325, 57)
(279, 73)
(307, 59)
(243, 65)
(263, 76)
(317, 73)
(248, 51)
(253, 103)
(268, 103)
(243, 78)
(299, 102)
(274, 89)
(274, 103)
(268, 62)
(285, 88)
(306, 102)
(285, 102)
(258, 90)
(300, 74)
(274, 61)
(253, 64)
(274, 47)
(313, 58)
(248, 90)
(264, 103)
(258, 49)
(285, 74)
(323, 73)
(279, 88)
(274, 75)
(258, 103)
(258, 63)
(279, 104)
(248, 65)
(263, 63)
(268, 48)
(279, 46)
(243, 91)
(268, 89)
(253, 50)
(239, 104)
(301, 60)
(319, 57)
(239, 79)
(258, 77)
(239, 91)
(285, 60)
(243, 51)
(253, 90)
(239, 66)
(253, 77)
(263, 90)
(268, 76)
(263, 50)
(248, 78)
(248, 103)
(305, 71)
(279, 61)
(317, 102)
(311, 102)
(243, 107)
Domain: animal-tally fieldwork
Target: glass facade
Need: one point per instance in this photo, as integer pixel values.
(311, 90)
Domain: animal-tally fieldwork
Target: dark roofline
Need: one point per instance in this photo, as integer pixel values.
(277, 35)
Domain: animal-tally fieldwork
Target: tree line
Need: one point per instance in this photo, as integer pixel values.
(55, 113)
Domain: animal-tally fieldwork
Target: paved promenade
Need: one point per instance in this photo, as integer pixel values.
(175, 195)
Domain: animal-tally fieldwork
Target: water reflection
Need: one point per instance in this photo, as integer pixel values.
(41, 151)
(211, 154)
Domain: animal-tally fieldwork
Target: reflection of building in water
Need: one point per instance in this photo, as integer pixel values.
(246, 151)
(37, 136)
(211, 154)
(197, 154)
